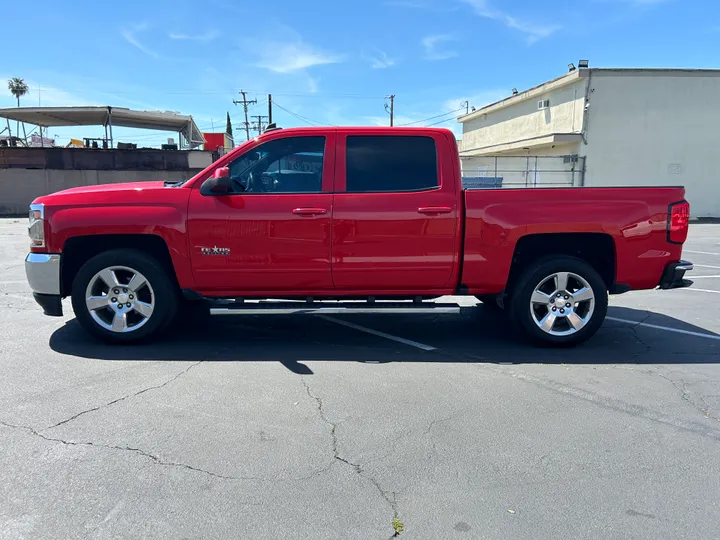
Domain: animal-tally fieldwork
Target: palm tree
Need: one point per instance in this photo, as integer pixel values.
(17, 88)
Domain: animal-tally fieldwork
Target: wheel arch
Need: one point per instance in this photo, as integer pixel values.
(78, 250)
(597, 249)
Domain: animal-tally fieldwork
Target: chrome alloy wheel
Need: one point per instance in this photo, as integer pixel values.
(562, 304)
(120, 299)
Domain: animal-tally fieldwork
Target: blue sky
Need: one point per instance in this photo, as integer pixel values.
(331, 62)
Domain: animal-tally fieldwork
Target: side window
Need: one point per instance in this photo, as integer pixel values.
(291, 165)
(391, 163)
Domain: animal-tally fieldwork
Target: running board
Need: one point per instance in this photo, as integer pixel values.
(317, 308)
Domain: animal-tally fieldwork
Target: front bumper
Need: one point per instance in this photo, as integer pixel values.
(673, 276)
(43, 275)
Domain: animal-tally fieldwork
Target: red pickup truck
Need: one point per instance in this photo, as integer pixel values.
(330, 216)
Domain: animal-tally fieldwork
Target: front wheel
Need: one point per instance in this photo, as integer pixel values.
(123, 296)
(559, 301)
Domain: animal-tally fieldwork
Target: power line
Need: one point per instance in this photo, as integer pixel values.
(203, 92)
(300, 117)
(433, 117)
(440, 122)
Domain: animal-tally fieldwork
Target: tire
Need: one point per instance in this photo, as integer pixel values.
(585, 292)
(129, 311)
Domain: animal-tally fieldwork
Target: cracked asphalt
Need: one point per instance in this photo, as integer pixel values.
(298, 427)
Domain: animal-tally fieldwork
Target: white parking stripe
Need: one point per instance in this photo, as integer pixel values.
(701, 277)
(699, 290)
(700, 252)
(706, 266)
(666, 328)
(379, 334)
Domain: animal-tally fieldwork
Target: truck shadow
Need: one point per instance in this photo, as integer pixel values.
(479, 335)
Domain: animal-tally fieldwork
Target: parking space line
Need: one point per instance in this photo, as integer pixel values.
(699, 290)
(666, 328)
(706, 266)
(379, 334)
(701, 277)
(700, 252)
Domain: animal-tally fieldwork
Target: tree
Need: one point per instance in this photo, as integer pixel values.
(228, 129)
(17, 88)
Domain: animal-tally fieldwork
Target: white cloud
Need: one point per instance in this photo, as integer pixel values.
(287, 57)
(206, 36)
(130, 35)
(432, 49)
(534, 31)
(379, 59)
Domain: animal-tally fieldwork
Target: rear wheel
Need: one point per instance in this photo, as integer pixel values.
(123, 296)
(559, 301)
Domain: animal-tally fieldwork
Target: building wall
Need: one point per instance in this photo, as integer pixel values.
(18, 187)
(522, 120)
(653, 130)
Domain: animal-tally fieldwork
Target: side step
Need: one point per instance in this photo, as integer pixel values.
(330, 308)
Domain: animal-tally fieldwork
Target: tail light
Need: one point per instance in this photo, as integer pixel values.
(36, 225)
(678, 222)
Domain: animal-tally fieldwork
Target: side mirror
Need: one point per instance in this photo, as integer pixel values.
(218, 184)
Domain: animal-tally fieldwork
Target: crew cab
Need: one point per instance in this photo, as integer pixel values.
(321, 218)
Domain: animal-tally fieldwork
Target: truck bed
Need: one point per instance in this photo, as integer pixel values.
(496, 219)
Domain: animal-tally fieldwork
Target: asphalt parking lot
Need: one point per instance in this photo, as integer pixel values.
(303, 427)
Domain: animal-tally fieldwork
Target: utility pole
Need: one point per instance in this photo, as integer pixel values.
(269, 108)
(245, 102)
(466, 104)
(259, 123)
(391, 108)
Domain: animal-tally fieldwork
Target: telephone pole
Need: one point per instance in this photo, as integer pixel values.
(245, 102)
(466, 104)
(391, 108)
(269, 108)
(259, 123)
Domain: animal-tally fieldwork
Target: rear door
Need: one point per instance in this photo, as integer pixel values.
(396, 212)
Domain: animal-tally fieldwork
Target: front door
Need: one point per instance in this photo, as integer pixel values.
(272, 233)
(396, 213)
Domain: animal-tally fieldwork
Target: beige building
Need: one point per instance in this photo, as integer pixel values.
(605, 127)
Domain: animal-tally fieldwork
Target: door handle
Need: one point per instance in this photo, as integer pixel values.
(429, 210)
(309, 211)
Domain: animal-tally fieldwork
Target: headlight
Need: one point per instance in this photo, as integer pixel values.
(36, 226)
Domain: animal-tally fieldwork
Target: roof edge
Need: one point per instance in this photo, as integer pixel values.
(558, 82)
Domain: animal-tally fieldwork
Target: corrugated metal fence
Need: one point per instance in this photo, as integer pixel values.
(488, 172)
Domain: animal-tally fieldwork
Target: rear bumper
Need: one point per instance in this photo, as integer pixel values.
(673, 276)
(43, 275)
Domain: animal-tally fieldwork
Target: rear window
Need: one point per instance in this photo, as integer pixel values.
(391, 163)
